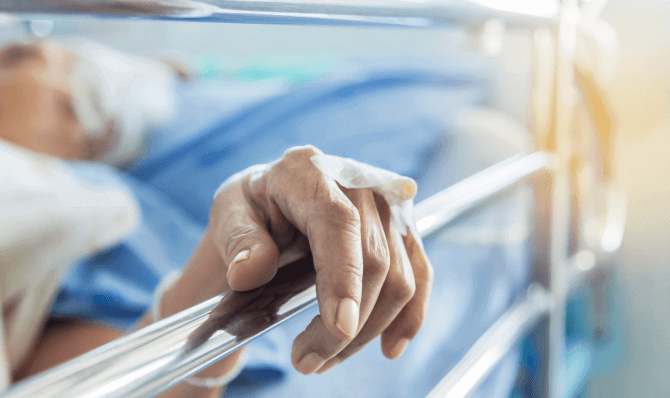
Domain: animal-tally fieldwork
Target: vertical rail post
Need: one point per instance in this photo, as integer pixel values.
(566, 97)
(532, 380)
(536, 384)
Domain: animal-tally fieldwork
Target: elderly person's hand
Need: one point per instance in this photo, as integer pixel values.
(370, 280)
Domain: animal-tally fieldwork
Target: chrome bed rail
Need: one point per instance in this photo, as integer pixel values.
(161, 355)
(487, 352)
(403, 13)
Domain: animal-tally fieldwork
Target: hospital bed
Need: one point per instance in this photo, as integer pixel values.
(579, 212)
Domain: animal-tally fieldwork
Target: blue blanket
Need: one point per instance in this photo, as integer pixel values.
(396, 116)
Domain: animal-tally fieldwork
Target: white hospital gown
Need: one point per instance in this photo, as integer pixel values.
(49, 219)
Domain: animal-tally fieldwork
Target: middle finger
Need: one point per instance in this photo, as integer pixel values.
(396, 292)
(316, 345)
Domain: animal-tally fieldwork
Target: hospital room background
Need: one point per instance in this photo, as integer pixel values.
(619, 321)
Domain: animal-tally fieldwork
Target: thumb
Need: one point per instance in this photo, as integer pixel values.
(250, 254)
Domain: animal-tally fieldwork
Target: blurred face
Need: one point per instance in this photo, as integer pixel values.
(36, 110)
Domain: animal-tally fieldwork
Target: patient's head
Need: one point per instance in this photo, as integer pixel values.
(36, 108)
(80, 100)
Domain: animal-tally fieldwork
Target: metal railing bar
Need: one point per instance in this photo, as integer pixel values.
(377, 12)
(492, 346)
(437, 211)
(161, 355)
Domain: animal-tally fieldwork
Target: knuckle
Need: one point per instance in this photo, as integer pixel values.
(376, 256)
(300, 153)
(339, 213)
(401, 288)
(339, 216)
(295, 179)
(376, 263)
(344, 212)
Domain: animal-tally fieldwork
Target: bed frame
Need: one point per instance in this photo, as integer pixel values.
(157, 357)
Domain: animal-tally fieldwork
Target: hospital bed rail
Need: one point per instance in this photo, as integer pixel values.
(167, 352)
(401, 13)
(159, 356)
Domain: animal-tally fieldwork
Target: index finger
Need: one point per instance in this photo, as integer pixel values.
(320, 210)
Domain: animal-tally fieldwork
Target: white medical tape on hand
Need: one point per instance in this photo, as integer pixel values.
(398, 191)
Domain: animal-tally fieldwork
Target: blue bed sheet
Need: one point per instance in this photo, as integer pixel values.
(396, 116)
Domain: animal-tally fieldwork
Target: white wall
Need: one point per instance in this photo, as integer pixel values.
(640, 94)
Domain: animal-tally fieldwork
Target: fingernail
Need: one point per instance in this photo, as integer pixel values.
(347, 317)
(310, 363)
(241, 256)
(398, 348)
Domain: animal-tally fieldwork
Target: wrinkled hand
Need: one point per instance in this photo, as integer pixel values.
(370, 280)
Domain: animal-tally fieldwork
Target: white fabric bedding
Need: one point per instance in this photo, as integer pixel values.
(49, 219)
